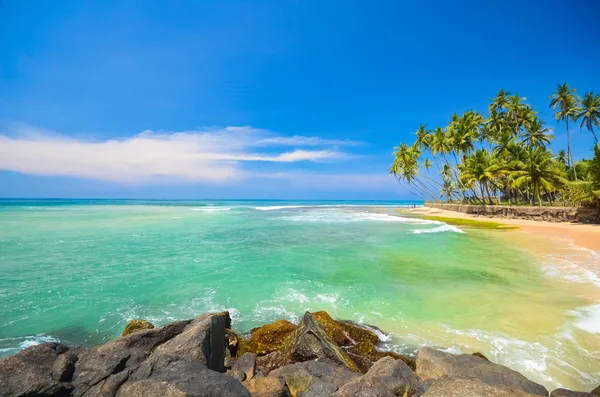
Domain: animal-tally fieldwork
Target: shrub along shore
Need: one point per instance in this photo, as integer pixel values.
(204, 357)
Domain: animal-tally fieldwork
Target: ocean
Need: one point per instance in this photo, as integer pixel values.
(77, 271)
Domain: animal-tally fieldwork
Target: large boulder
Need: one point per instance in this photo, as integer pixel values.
(191, 378)
(470, 387)
(310, 341)
(136, 325)
(570, 393)
(435, 364)
(95, 366)
(42, 370)
(387, 377)
(313, 378)
(203, 340)
(266, 339)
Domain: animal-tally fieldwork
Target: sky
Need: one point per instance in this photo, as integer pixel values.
(264, 99)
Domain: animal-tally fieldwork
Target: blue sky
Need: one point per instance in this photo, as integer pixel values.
(273, 99)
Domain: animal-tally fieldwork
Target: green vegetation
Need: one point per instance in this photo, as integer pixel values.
(504, 158)
(468, 222)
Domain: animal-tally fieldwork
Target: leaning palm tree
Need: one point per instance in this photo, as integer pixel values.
(590, 112)
(540, 171)
(564, 101)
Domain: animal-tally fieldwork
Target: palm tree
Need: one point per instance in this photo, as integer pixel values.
(564, 101)
(540, 171)
(500, 102)
(423, 137)
(517, 113)
(562, 157)
(590, 112)
(536, 135)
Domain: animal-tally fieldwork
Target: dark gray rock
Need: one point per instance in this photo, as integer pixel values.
(435, 364)
(37, 371)
(570, 393)
(202, 341)
(300, 377)
(149, 388)
(310, 341)
(387, 377)
(267, 387)
(471, 387)
(96, 365)
(244, 367)
(191, 378)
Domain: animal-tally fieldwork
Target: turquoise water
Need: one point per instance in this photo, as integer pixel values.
(78, 270)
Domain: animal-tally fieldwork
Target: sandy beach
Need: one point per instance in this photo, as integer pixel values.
(586, 236)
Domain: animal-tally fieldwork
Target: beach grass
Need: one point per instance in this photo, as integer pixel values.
(465, 222)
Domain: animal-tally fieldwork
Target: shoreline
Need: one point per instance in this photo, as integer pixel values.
(204, 356)
(582, 235)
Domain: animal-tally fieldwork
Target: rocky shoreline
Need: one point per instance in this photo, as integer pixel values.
(204, 357)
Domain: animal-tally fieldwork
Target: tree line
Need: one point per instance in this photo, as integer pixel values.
(505, 158)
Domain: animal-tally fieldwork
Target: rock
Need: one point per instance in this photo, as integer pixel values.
(387, 377)
(266, 387)
(310, 341)
(480, 355)
(64, 366)
(596, 391)
(136, 325)
(435, 364)
(203, 340)
(345, 333)
(358, 341)
(96, 365)
(269, 362)
(312, 376)
(244, 367)
(149, 388)
(470, 387)
(191, 378)
(39, 370)
(570, 393)
(266, 339)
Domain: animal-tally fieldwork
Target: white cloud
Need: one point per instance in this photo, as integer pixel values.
(298, 140)
(202, 155)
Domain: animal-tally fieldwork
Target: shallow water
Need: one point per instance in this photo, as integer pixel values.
(77, 271)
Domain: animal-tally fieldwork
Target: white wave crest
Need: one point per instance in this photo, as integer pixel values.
(332, 216)
(439, 229)
(588, 318)
(212, 209)
(280, 207)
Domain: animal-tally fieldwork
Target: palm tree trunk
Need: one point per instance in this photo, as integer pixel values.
(594, 134)
(571, 165)
(487, 189)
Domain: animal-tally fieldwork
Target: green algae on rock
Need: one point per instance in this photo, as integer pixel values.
(136, 325)
(266, 339)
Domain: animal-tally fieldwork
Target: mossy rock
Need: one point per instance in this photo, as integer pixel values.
(480, 355)
(596, 391)
(136, 325)
(266, 339)
(344, 333)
